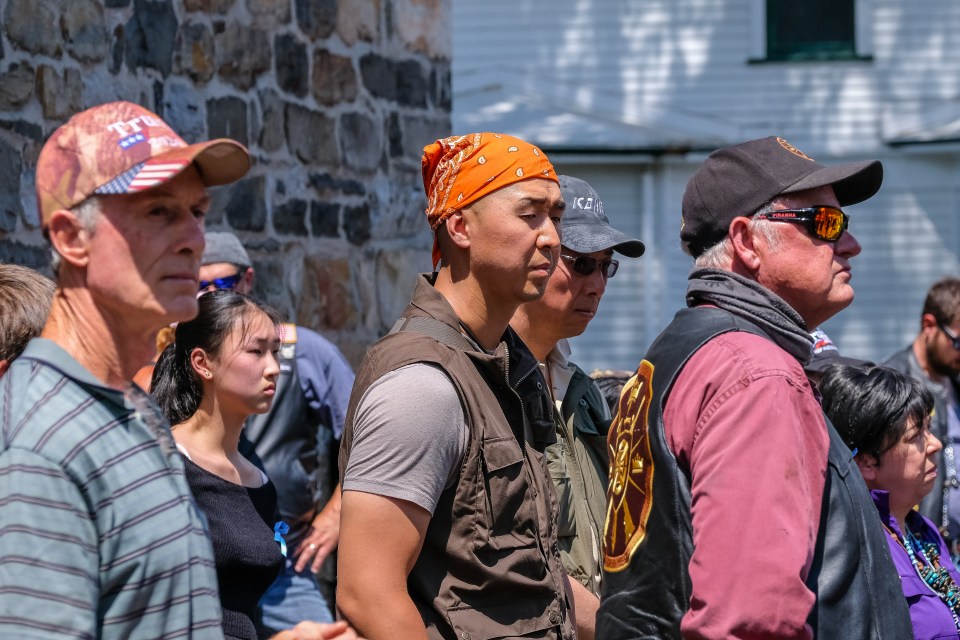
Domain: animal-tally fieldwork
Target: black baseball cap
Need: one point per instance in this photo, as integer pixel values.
(585, 226)
(738, 180)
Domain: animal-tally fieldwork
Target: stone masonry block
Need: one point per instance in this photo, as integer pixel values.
(247, 206)
(361, 141)
(272, 110)
(149, 36)
(422, 26)
(193, 54)
(269, 12)
(310, 136)
(11, 166)
(16, 86)
(228, 118)
(327, 293)
(290, 218)
(208, 6)
(358, 20)
(334, 80)
(325, 219)
(400, 81)
(317, 18)
(243, 53)
(18, 253)
(30, 26)
(183, 110)
(60, 96)
(291, 64)
(356, 223)
(85, 31)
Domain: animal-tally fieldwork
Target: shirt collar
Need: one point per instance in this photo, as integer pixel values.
(53, 355)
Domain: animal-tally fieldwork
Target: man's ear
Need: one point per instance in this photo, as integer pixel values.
(68, 236)
(4, 365)
(744, 243)
(927, 321)
(246, 282)
(458, 230)
(868, 465)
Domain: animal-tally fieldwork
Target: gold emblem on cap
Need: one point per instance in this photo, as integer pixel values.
(792, 149)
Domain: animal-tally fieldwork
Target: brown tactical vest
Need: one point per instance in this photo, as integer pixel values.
(490, 564)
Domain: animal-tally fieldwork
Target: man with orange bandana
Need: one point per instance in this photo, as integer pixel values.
(448, 523)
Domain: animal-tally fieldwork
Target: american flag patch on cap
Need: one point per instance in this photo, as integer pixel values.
(142, 176)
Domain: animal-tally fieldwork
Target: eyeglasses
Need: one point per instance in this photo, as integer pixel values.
(950, 334)
(822, 221)
(228, 282)
(586, 265)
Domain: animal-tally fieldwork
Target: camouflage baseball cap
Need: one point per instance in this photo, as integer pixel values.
(120, 147)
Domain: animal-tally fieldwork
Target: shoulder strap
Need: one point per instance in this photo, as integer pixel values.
(433, 328)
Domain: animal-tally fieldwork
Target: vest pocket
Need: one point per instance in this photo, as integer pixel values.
(508, 508)
(519, 618)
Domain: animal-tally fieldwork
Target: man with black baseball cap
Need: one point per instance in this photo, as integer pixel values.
(578, 460)
(733, 508)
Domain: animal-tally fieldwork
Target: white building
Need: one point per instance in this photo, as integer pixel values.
(631, 95)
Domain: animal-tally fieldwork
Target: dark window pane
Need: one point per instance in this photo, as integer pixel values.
(810, 29)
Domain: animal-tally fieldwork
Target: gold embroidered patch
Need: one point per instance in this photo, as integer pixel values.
(630, 493)
(792, 149)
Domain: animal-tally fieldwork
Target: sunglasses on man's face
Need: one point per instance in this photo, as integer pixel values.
(822, 221)
(228, 282)
(586, 265)
(950, 334)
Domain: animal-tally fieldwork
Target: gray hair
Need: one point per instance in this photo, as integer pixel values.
(718, 256)
(88, 214)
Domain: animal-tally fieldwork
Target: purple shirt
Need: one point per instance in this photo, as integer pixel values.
(930, 616)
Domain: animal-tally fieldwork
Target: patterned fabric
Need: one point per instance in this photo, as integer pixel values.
(99, 535)
(460, 170)
(120, 147)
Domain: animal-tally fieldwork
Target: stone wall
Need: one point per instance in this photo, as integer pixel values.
(334, 98)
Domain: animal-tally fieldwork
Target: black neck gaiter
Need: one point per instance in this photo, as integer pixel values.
(755, 303)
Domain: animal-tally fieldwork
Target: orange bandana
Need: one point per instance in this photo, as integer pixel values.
(460, 170)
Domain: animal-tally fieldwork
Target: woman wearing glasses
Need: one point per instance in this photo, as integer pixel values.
(884, 418)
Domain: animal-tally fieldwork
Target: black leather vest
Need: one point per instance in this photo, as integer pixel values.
(858, 589)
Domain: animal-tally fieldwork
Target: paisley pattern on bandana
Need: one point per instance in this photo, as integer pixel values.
(460, 170)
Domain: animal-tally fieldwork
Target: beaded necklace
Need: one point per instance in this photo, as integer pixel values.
(925, 557)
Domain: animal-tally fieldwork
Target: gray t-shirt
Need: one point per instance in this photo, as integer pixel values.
(409, 436)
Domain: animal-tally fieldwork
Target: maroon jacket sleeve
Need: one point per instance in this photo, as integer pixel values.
(743, 418)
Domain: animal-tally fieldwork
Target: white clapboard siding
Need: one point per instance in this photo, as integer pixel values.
(632, 95)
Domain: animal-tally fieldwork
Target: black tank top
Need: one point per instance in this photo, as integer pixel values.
(248, 559)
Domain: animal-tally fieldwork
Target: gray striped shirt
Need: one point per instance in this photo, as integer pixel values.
(99, 535)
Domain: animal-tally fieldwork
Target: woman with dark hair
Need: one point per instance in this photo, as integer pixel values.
(221, 368)
(884, 417)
